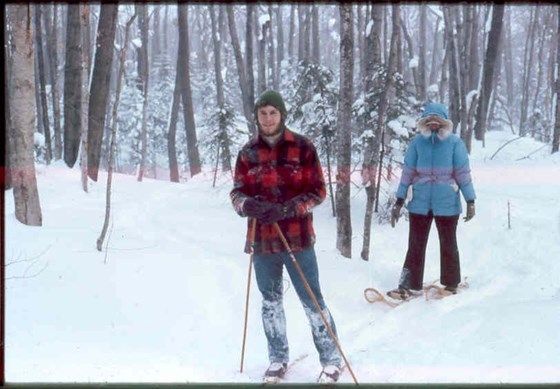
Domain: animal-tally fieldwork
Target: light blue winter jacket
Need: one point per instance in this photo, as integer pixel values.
(437, 167)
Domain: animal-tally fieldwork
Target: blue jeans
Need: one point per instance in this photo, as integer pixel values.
(268, 271)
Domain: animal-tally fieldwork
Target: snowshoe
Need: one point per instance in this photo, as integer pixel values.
(275, 372)
(329, 375)
(404, 294)
(449, 290)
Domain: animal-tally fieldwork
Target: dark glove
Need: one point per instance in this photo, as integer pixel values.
(254, 208)
(396, 212)
(470, 211)
(276, 212)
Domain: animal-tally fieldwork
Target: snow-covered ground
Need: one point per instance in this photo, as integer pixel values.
(165, 302)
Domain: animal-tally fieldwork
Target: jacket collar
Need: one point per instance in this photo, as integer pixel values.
(287, 136)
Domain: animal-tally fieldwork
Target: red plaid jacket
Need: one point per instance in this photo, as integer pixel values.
(289, 172)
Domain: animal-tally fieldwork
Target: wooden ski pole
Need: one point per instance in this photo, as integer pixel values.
(252, 242)
(315, 302)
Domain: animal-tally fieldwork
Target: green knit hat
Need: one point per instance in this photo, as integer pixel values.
(273, 98)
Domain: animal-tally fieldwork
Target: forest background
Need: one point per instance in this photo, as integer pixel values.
(165, 90)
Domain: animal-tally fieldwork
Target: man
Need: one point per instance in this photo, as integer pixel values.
(436, 165)
(278, 179)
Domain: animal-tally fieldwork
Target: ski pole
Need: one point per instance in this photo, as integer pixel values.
(251, 241)
(315, 302)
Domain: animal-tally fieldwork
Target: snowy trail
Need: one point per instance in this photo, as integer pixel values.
(166, 302)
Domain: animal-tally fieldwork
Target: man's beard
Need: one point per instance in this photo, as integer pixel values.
(278, 131)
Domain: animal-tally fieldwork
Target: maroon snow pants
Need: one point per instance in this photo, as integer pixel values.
(412, 275)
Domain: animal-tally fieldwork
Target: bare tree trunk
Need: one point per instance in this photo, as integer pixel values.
(470, 125)
(474, 56)
(556, 135)
(343, 217)
(248, 69)
(175, 105)
(52, 55)
(165, 43)
(261, 79)
(301, 32)
(42, 82)
(279, 44)
(85, 96)
(541, 63)
(422, 53)
(186, 93)
(242, 72)
(464, 35)
(73, 86)
(372, 144)
(492, 50)
(156, 41)
(527, 69)
(454, 92)
(374, 164)
(508, 51)
(100, 84)
(360, 41)
(114, 123)
(292, 32)
(315, 36)
(443, 84)
(217, 58)
(6, 148)
(271, 52)
(410, 49)
(26, 195)
(142, 12)
(220, 99)
(436, 54)
(551, 85)
(399, 65)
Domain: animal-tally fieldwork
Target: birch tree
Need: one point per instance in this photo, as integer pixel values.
(24, 181)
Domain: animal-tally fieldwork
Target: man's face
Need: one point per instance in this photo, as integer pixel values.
(269, 119)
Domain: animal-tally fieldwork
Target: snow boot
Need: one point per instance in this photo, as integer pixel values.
(275, 372)
(449, 290)
(404, 294)
(329, 375)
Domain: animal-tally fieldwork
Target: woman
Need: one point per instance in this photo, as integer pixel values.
(436, 165)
